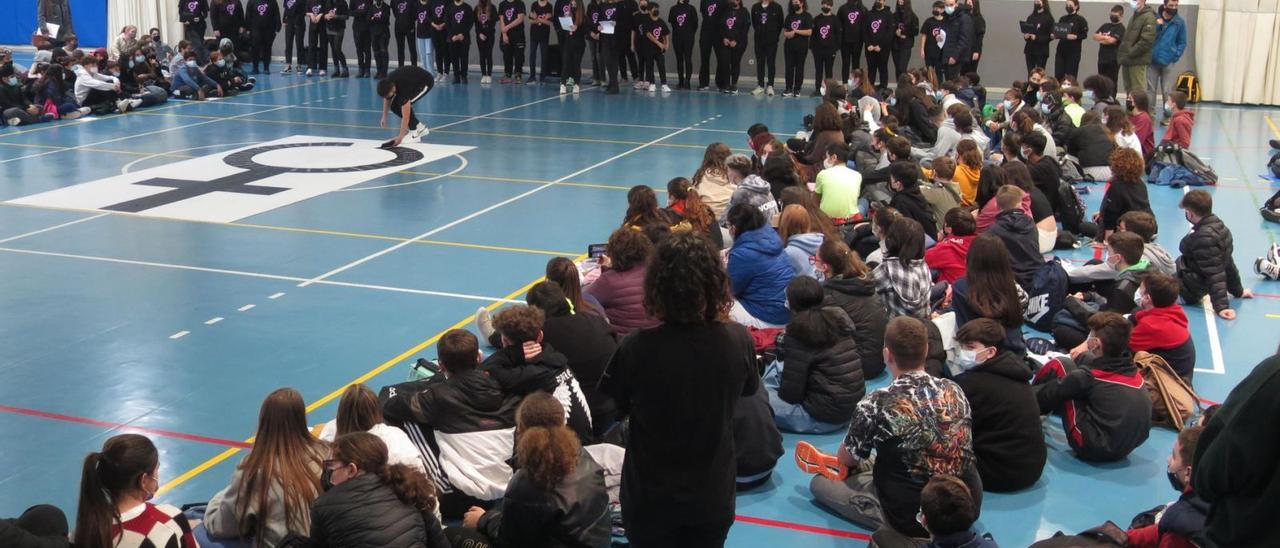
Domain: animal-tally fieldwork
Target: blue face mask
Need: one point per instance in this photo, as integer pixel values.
(13, 80)
(192, 64)
(1008, 105)
(1044, 107)
(139, 59)
(221, 63)
(949, 9)
(893, 101)
(1088, 94)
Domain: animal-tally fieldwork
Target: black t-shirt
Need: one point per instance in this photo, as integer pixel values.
(461, 18)
(684, 20)
(379, 17)
(909, 24)
(877, 29)
(487, 24)
(850, 15)
(410, 82)
(826, 34)
(657, 28)
(767, 22)
(538, 10)
(406, 12)
(734, 25)
(1041, 207)
(422, 17)
(1107, 53)
(679, 385)
(930, 29)
(1077, 26)
(563, 8)
(711, 12)
(508, 11)
(798, 21)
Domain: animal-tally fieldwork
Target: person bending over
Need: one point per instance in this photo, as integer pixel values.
(399, 91)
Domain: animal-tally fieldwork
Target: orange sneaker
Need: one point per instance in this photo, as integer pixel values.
(813, 461)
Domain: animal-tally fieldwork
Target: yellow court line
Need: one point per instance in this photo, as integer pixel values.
(230, 452)
(1274, 316)
(166, 108)
(1272, 123)
(525, 181)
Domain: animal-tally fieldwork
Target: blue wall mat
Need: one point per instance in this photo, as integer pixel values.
(89, 17)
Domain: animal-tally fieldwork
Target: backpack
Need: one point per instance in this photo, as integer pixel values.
(1046, 296)
(1167, 154)
(941, 197)
(1071, 170)
(1173, 402)
(1273, 165)
(1189, 84)
(1073, 210)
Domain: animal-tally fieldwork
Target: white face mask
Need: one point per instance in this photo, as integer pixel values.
(828, 164)
(1139, 296)
(961, 360)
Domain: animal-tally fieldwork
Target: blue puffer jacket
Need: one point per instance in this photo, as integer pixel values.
(759, 272)
(1171, 41)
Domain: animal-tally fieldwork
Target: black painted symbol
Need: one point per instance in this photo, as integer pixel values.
(240, 183)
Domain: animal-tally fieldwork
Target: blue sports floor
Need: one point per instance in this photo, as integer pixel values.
(117, 322)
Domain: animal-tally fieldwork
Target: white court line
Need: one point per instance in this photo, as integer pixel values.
(212, 321)
(276, 296)
(52, 228)
(461, 166)
(261, 275)
(179, 335)
(1211, 325)
(475, 214)
(136, 135)
(246, 308)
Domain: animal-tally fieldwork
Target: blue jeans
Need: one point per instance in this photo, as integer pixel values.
(427, 55)
(202, 534)
(791, 417)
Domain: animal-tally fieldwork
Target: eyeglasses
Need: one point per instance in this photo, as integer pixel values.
(333, 464)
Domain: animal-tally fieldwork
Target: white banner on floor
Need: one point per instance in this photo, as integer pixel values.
(232, 185)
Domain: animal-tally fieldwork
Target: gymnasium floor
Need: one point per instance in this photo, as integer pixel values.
(177, 328)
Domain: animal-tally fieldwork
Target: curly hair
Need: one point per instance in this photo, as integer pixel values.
(1126, 165)
(698, 214)
(369, 453)
(520, 323)
(546, 449)
(627, 249)
(686, 281)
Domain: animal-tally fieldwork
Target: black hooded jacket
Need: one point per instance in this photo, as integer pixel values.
(858, 298)
(548, 372)
(822, 368)
(363, 511)
(1007, 438)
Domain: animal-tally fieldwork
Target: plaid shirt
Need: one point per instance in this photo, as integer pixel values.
(921, 420)
(904, 288)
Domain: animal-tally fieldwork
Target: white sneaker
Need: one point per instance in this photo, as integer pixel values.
(652, 89)
(666, 88)
(576, 89)
(769, 91)
(135, 103)
(1267, 268)
(311, 72)
(563, 90)
(13, 121)
(419, 132)
(123, 105)
(484, 323)
(758, 91)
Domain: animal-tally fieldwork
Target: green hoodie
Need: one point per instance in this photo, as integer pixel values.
(1139, 38)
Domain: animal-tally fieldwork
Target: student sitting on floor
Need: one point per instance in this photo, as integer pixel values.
(908, 199)
(563, 272)
(465, 422)
(1124, 255)
(802, 240)
(918, 427)
(100, 92)
(115, 485)
(556, 497)
(1160, 325)
(817, 381)
(759, 270)
(620, 287)
(751, 189)
(16, 108)
(989, 290)
(1158, 258)
(1181, 121)
(968, 171)
(370, 501)
(1007, 440)
(1126, 191)
(712, 179)
(40, 526)
(1105, 408)
(850, 285)
(271, 491)
(683, 200)
(949, 512)
(1206, 266)
(1181, 522)
(948, 257)
(902, 278)
(526, 364)
(189, 82)
(1019, 234)
(360, 411)
(837, 186)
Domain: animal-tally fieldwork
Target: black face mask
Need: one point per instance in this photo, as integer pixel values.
(826, 9)
(326, 479)
(1070, 10)
(1176, 482)
(1115, 18)
(937, 14)
(1170, 12)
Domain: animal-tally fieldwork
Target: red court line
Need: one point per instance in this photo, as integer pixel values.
(1266, 295)
(804, 528)
(116, 425)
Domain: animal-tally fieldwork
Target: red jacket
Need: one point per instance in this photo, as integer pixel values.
(1142, 127)
(1180, 128)
(1150, 537)
(1158, 328)
(948, 257)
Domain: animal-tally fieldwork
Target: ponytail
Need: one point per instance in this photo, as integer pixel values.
(105, 477)
(369, 453)
(410, 486)
(697, 213)
(548, 454)
(95, 514)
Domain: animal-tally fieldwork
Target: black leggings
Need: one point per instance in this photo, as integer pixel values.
(878, 65)
(335, 45)
(627, 59)
(295, 33)
(1035, 60)
(513, 59)
(538, 48)
(766, 62)
(440, 43)
(380, 38)
(597, 62)
(850, 58)
(458, 57)
(260, 49)
(609, 47)
(901, 61)
(823, 67)
(410, 38)
(317, 41)
(651, 58)
(364, 47)
(572, 46)
(793, 67)
(1066, 62)
(684, 59)
(485, 49)
(728, 65)
(706, 47)
(194, 33)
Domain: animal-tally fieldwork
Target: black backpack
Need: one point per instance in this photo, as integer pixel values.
(1274, 165)
(1073, 210)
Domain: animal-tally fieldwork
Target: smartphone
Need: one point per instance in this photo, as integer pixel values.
(595, 251)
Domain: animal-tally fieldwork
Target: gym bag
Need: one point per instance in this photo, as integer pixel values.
(1173, 402)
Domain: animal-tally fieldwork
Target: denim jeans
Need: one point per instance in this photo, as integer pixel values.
(791, 417)
(427, 55)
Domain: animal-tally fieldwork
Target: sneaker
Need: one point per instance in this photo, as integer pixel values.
(75, 113)
(1267, 268)
(786, 93)
(704, 88)
(769, 91)
(13, 121)
(812, 461)
(48, 117)
(484, 324)
(732, 91)
(288, 69)
(504, 80)
(420, 131)
(1270, 214)
(652, 89)
(1275, 143)
(576, 89)
(123, 105)
(135, 103)
(666, 89)
(563, 90)
(758, 91)
(532, 81)
(311, 72)
(1274, 253)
